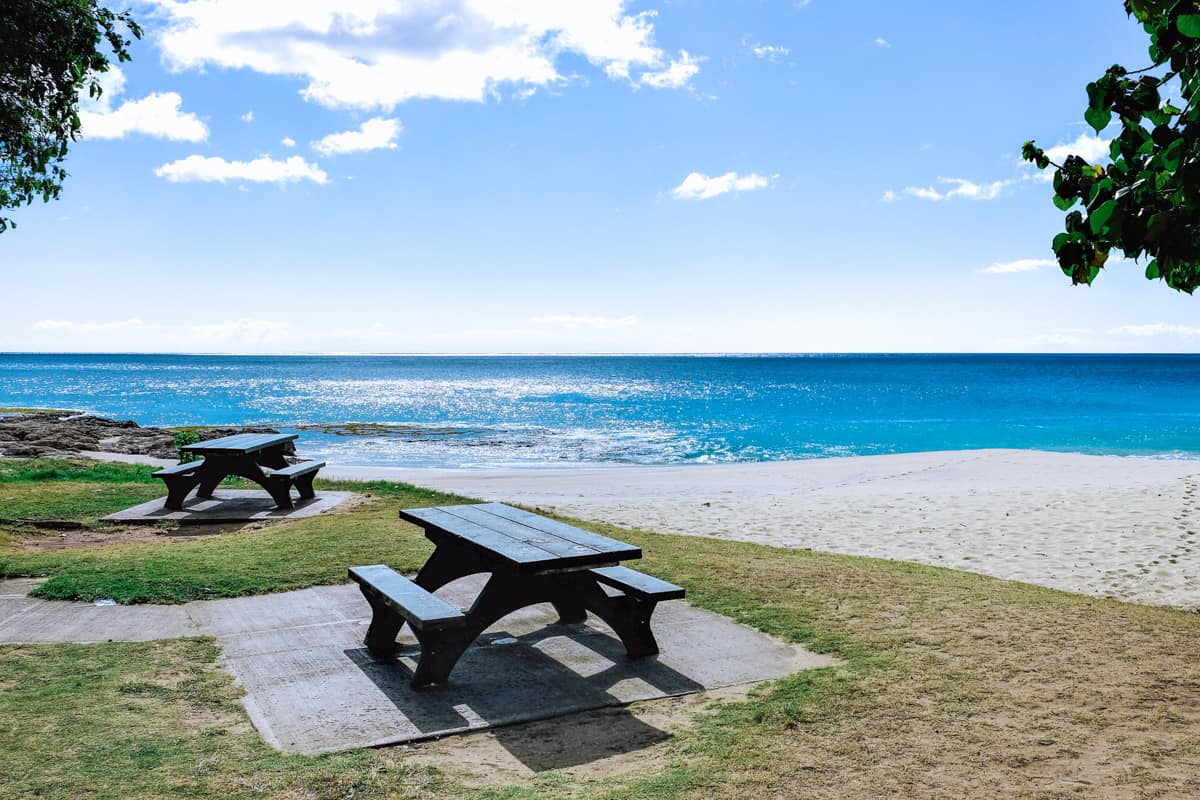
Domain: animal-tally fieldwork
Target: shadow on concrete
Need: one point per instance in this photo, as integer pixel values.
(504, 679)
(228, 505)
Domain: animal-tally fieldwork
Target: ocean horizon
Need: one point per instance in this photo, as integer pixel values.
(504, 411)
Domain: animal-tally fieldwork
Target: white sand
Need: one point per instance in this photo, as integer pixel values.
(1101, 525)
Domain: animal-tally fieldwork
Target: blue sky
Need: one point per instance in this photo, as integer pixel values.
(684, 176)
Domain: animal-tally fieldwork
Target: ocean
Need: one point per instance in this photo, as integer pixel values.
(510, 411)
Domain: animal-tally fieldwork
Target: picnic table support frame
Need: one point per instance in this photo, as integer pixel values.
(218, 467)
(572, 593)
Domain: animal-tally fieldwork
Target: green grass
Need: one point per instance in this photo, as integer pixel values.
(274, 558)
(953, 684)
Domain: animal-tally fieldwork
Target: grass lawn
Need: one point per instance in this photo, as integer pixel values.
(954, 685)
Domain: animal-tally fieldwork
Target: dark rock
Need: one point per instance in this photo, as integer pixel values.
(36, 435)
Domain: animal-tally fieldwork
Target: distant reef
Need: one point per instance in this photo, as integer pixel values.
(29, 433)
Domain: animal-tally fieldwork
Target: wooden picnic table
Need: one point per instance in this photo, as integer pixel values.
(531, 559)
(258, 457)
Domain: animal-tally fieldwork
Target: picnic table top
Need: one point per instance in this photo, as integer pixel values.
(240, 443)
(523, 541)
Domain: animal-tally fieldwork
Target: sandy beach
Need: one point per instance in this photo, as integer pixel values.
(1101, 525)
(1107, 526)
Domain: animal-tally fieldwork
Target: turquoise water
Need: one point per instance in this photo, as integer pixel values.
(505, 411)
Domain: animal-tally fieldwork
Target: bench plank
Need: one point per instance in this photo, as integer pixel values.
(296, 470)
(178, 469)
(638, 583)
(423, 610)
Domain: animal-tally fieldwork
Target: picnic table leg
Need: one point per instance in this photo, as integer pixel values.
(385, 627)
(628, 616)
(447, 564)
(178, 489)
(210, 474)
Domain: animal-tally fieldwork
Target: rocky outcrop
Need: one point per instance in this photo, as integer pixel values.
(38, 435)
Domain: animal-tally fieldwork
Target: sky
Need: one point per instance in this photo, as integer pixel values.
(594, 176)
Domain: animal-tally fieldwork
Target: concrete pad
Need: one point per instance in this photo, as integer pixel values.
(229, 505)
(314, 688)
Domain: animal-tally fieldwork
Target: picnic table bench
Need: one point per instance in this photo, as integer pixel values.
(531, 560)
(258, 457)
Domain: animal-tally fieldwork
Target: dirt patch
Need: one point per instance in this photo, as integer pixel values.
(598, 744)
(77, 539)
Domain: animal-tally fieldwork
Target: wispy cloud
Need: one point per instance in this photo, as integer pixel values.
(677, 75)
(247, 117)
(698, 186)
(1020, 265)
(260, 170)
(959, 188)
(287, 141)
(1154, 329)
(87, 327)
(594, 322)
(882, 42)
(374, 134)
(769, 52)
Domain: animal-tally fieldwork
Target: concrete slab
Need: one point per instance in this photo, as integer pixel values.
(229, 505)
(29, 620)
(314, 688)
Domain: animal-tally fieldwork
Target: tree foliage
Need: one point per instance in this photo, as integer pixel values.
(50, 50)
(1146, 202)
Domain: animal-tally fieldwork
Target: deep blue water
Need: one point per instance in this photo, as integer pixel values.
(498, 411)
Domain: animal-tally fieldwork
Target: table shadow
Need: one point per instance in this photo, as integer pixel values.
(503, 680)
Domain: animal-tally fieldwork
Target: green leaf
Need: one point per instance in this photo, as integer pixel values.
(1173, 155)
(1189, 25)
(1152, 270)
(1063, 203)
(1098, 118)
(1098, 219)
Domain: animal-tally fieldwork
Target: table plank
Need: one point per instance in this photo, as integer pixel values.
(241, 443)
(487, 542)
(520, 547)
(570, 533)
(522, 533)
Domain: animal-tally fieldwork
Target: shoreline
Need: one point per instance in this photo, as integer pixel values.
(1108, 526)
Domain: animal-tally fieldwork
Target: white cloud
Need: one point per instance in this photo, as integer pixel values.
(576, 321)
(1020, 265)
(961, 188)
(379, 53)
(261, 170)
(677, 74)
(697, 186)
(156, 114)
(1088, 146)
(882, 42)
(374, 134)
(770, 52)
(1154, 329)
(247, 117)
(287, 141)
(888, 197)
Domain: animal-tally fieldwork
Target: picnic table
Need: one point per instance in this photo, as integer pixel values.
(531, 559)
(258, 457)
